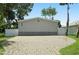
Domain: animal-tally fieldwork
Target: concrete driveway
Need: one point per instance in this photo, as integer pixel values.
(36, 45)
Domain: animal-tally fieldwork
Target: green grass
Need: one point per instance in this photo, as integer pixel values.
(72, 49)
(3, 38)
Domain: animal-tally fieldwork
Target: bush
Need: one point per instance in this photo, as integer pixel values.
(2, 35)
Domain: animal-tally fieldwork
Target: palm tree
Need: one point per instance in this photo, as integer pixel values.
(51, 12)
(67, 25)
(44, 12)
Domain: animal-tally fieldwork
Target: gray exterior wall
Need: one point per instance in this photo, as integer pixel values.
(36, 27)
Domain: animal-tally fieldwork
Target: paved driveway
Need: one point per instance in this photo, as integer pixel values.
(36, 45)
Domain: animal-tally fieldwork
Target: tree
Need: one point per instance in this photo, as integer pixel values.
(8, 10)
(44, 12)
(23, 9)
(59, 24)
(51, 12)
(77, 23)
(78, 32)
(2, 23)
(67, 25)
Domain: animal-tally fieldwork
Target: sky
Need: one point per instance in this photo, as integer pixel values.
(61, 12)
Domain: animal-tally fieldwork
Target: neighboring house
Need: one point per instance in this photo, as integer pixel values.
(38, 26)
(72, 30)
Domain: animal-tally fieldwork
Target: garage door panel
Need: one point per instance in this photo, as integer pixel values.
(36, 33)
(38, 27)
(34, 27)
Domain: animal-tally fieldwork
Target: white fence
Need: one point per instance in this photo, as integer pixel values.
(11, 32)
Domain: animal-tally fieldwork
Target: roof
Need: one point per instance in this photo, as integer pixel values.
(38, 18)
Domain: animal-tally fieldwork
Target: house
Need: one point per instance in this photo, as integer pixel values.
(72, 30)
(37, 26)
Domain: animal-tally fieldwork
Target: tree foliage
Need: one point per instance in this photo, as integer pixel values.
(49, 12)
(10, 10)
(2, 23)
(23, 9)
(59, 24)
(44, 12)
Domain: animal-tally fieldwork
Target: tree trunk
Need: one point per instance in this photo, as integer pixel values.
(67, 25)
(78, 33)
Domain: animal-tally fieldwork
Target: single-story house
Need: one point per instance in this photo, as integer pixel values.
(37, 26)
(72, 30)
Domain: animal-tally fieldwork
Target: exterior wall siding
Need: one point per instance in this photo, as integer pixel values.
(37, 27)
(71, 30)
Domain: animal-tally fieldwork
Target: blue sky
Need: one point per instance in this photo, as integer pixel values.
(61, 12)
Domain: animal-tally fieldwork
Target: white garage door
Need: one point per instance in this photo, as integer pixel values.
(38, 27)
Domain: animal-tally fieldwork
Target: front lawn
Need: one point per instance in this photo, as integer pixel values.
(72, 49)
(2, 39)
